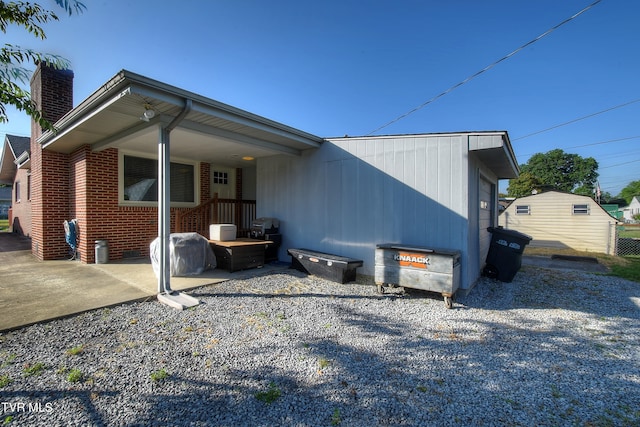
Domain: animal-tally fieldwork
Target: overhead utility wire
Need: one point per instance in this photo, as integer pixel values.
(620, 164)
(589, 145)
(487, 68)
(576, 120)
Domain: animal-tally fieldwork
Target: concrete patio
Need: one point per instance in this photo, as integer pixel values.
(33, 291)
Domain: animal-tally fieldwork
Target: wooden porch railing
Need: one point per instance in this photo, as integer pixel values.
(217, 211)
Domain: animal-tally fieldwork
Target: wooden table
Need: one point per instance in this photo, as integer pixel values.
(239, 254)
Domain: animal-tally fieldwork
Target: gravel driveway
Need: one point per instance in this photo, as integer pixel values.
(551, 348)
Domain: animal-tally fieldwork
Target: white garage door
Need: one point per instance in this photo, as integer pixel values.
(485, 217)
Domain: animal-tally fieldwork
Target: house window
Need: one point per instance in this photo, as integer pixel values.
(220, 178)
(29, 186)
(139, 180)
(17, 191)
(523, 210)
(581, 209)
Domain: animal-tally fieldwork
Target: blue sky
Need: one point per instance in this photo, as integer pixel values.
(347, 67)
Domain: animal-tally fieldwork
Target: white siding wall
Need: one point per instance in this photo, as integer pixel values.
(552, 223)
(352, 194)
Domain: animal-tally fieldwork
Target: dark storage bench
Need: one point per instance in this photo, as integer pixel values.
(240, 254)
(328, 266)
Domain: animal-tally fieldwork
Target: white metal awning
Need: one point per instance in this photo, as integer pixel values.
(211, 131)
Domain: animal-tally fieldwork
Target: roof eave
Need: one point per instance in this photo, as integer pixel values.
(126, 82)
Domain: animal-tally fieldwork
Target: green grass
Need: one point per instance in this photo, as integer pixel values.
(629, 270)
(629, 233)
(336, 419)
(4, 224)
(5, 380)
(74, 375)
(624, 267)
(160, 375)
(75, 350)
(35, 369)
(269, 396)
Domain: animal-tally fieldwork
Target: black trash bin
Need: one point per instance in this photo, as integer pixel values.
(505, 253)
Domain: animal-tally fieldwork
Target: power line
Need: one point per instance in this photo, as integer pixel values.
(487, 68)
(577, 120)
(588, 145)
(620, 164)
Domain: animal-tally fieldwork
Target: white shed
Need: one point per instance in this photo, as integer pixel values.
(351, 194)
(562, 220)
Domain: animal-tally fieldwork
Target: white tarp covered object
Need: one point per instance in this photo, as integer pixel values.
(190, 254)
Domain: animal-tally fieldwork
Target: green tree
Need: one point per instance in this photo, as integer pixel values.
(13, 72)
(524, 185)
(557, 170)
(632, 189)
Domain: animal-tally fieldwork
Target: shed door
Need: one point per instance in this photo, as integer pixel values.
(485, 217)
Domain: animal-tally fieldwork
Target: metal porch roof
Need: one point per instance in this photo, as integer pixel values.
(211, 131)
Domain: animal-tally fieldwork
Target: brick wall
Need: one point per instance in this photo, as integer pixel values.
(21, 209)
(205, 182)
(128, 230)
(239, 184)
(52, 93)
(83, 185)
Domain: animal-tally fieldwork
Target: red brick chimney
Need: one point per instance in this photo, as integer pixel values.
(52, 93)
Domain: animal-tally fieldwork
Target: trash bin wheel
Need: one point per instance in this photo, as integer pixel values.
(448, 302)
(490, 271)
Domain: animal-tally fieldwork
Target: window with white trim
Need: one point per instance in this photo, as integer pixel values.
(139, 181)
(220, 177)
(581, 209)
(523, 210)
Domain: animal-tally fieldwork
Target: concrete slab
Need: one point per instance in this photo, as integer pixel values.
(33, 291)
(564, 264)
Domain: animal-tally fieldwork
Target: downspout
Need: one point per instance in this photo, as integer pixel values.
(164, 199)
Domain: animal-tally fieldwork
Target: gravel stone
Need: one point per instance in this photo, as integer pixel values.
(551, 348)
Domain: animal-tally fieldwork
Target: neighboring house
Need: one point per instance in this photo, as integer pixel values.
(15, 164)
(504, 202)
(562, 220)
(336, 195)
(631, 210)
(5, 202)
(613, 210)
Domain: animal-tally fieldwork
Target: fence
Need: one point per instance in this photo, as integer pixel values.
(628, 244)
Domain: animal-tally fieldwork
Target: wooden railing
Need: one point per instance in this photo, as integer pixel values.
(217, 211)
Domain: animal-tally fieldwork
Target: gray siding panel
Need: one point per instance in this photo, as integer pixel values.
(352, 194)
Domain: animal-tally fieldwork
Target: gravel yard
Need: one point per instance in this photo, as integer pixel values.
(552, 348)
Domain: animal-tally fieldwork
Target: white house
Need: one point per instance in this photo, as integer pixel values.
(562, 220)
(631, 210)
